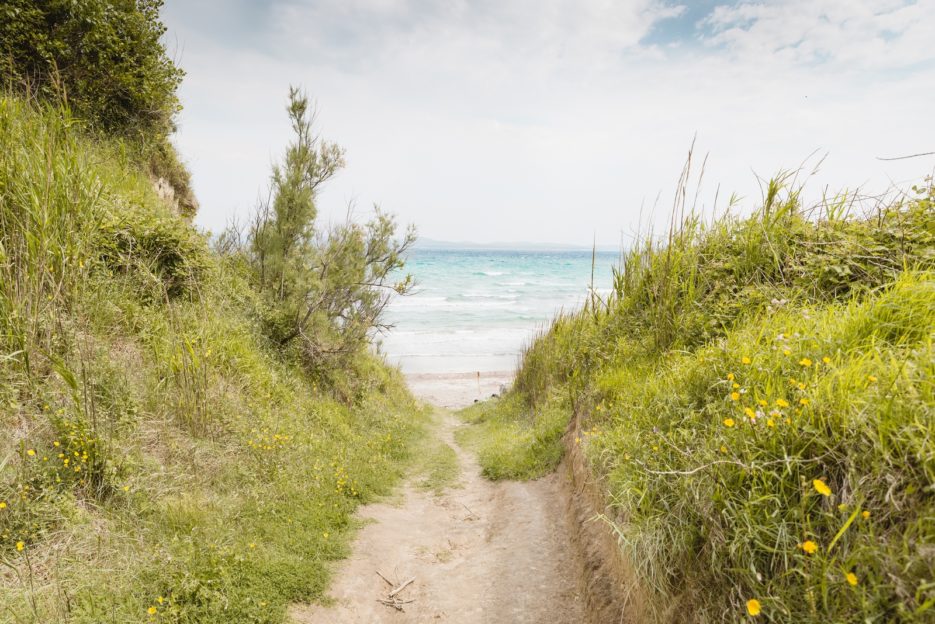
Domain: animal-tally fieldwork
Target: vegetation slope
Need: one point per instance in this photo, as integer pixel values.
(757, 401)
(164, 460)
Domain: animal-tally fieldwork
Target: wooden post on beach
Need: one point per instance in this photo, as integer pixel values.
(478, 384)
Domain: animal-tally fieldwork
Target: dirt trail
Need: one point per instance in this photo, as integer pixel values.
(481, 553)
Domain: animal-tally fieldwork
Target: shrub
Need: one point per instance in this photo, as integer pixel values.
(104, 58)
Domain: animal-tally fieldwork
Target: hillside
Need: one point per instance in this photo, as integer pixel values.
(164, 461)
(754, 403)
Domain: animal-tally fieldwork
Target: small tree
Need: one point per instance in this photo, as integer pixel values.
(325, 291)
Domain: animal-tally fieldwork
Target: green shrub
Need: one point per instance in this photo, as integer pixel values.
(105, 58)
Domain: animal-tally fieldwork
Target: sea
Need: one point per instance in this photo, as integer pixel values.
(473, 311)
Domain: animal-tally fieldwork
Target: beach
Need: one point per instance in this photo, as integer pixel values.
(457, 390)
(461, 334)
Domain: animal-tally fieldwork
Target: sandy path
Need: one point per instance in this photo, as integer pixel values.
(480, 553)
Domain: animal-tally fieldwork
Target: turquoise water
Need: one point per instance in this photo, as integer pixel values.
(475, 310)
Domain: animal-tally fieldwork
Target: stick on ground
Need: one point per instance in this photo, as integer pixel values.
(393, 593)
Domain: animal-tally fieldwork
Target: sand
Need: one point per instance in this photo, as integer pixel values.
(457, 390)
(480, 552)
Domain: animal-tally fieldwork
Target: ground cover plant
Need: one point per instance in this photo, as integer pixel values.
(757, 402)
(165, 461)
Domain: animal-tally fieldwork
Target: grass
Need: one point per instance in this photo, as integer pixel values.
(757, 398)
(512, 440)
(163, 462)
(435, 464)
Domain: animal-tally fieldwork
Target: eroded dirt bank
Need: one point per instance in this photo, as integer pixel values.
(609, 591)
(480, 552)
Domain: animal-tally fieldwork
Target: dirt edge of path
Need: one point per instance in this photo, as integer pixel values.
(609, 585)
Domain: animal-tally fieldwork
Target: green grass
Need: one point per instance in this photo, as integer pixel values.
(435, 464)
(208, 478)
(512, 440)
(736, 365)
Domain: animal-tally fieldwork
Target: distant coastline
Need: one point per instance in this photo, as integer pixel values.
(431, 244)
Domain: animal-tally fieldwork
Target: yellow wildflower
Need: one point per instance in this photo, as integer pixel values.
(770, 422)
(724, 449)
(734, 396)
(851, 579)
(152, 610)
(754, 607)
(160, 599)
(735, 385)
(805, 362)
(810, 547)
(826, 360)
(745, 360)
(728, 422)
(749, 412)
(762, 403)
(2, 504)
(871, 378)
(20, 546)
(730, 376)
(31, 452)
(803, 401)
(865, 514)
(786, 352)
(821, 487)
(782, 403)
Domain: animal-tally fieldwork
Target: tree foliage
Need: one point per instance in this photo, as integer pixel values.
(105, 58)
(325, 290)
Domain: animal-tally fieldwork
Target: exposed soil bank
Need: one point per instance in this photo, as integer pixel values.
(480, 552)
(609, 589)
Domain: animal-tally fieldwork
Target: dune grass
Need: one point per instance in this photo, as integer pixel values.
(163, 462)
(758, 399)
(513, 442)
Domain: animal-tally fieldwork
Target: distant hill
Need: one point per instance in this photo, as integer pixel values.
(432, 244)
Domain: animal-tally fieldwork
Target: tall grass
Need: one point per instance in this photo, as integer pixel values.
(757, 398)
(49, 212)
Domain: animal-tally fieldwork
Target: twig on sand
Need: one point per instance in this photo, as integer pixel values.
(392, 598)
(473, 515)
(396, 604)
(393, 593)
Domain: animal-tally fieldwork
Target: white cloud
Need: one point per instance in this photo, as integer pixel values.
(850, 34)
(550, 120)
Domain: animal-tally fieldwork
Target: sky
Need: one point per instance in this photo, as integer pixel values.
(550, 120)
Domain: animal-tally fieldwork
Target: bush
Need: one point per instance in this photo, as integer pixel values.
(104, 58)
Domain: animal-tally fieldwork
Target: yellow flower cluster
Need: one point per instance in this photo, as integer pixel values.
(264, 440)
